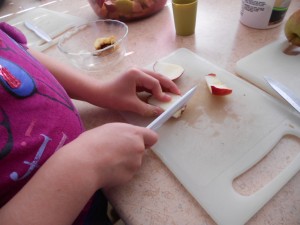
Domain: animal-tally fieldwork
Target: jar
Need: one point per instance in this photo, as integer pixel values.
(263, 14)
(126, 10)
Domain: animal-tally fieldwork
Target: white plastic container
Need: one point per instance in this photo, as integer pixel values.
(263, 14)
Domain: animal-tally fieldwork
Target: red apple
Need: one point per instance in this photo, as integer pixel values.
(216, 87)
(148, 3)
(137, 7)
(110, 6)
(101, 2)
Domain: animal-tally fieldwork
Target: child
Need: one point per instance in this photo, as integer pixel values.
(50, 168)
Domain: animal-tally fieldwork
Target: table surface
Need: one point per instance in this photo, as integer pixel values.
(155, 196)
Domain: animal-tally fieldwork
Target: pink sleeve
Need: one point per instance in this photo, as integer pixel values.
(14, 33)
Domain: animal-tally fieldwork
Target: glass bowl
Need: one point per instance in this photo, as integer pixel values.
(126, 10)
(78, 44)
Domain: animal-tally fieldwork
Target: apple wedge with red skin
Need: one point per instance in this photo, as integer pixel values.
(215, 86)
(172, 71)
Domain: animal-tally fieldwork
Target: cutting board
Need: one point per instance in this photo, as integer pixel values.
(52, 22)
(273, 62)
(219, 138)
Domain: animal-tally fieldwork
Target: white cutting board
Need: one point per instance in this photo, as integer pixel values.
(273, 62)
(219, 138)
(52, 22)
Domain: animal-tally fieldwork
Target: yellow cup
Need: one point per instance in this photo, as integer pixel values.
(185, 13)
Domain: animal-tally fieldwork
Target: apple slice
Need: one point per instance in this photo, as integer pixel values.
(166, 105)
(216, 87)
(172, 71)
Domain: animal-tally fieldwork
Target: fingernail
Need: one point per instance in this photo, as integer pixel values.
(157, 111)
(167, 97)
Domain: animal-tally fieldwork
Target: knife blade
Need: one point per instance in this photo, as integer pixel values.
(284, 92)
(162, 118)
(38, 31)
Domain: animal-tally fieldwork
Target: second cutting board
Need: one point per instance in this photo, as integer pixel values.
(272, 61)
(52, 22)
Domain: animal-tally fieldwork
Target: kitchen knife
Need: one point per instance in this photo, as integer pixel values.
(285, 92)
(38, 31)
(162, 118)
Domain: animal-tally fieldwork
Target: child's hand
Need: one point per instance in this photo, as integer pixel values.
(99, 158)
(121, 93)
(111, 153)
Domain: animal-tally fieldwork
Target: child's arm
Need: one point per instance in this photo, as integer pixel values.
(119, 94)
(60, 189)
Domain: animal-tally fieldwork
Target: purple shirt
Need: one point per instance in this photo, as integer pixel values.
(37, 116)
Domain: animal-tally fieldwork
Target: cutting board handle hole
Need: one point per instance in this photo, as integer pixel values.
(292, 50)
(268, 167)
